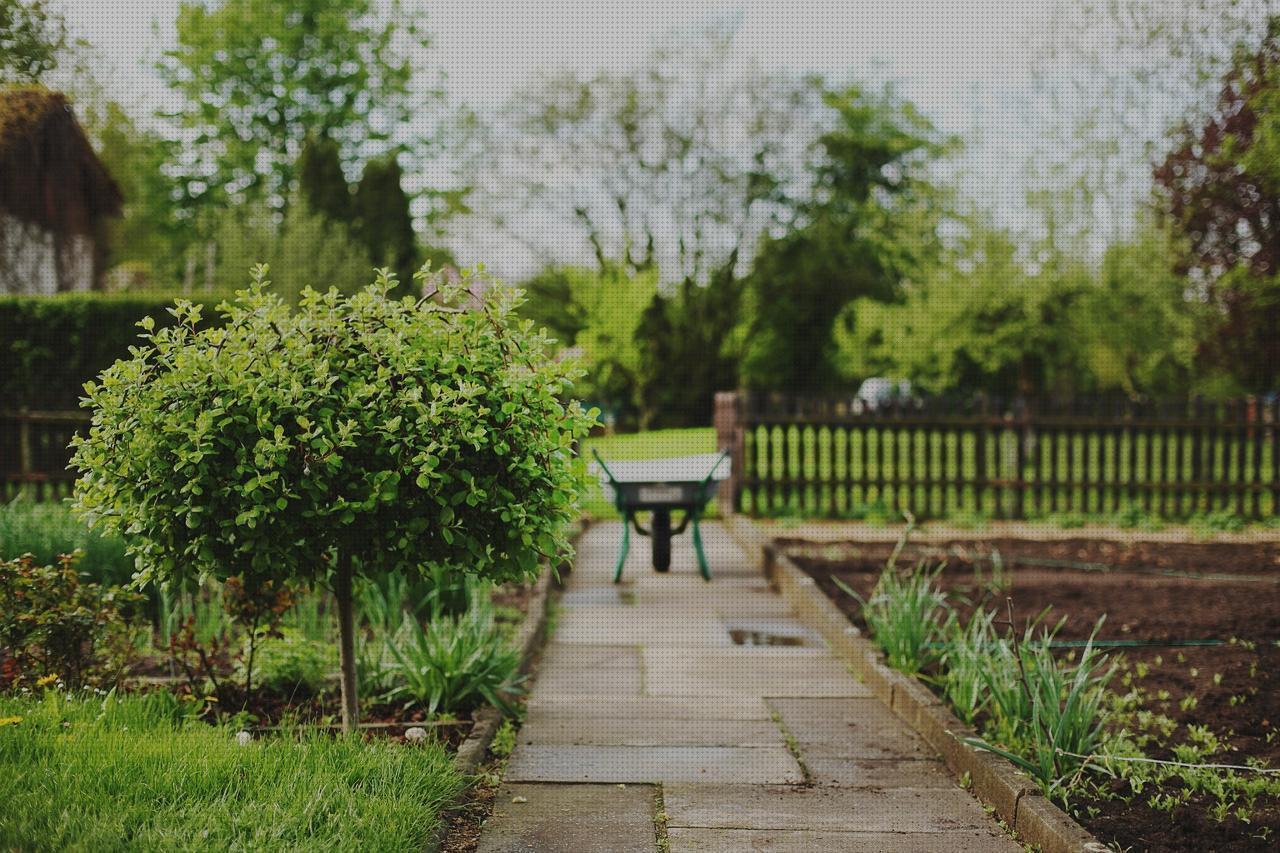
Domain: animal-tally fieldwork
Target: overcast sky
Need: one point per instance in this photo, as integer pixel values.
(968, 64)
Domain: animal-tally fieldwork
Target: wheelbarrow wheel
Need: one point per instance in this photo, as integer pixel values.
(661, 540)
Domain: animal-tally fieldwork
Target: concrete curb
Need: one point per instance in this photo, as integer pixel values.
(528, 639)
(1014, 796)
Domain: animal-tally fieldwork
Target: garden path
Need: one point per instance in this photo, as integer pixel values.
(662, 697)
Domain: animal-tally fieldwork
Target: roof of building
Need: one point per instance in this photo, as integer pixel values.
(49, 173)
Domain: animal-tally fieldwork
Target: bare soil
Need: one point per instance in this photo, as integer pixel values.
(1166, 593)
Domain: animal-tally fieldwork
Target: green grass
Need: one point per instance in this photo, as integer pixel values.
(135, 773)
(658, 444)
(49, 529)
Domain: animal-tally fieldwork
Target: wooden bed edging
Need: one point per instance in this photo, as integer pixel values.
(1015, 796)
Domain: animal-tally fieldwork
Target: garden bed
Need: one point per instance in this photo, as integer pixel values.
(1194, 628)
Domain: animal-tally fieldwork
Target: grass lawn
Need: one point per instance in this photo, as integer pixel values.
(134, 773)
(658, 444)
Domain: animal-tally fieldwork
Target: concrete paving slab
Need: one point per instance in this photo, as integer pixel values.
(764, 807)
(682, 840)
(741, 671)
(848, 728)
(630, 626)
(711, 764)
(606, 683)
(576, 728)
(571, 819)
(860, 773)
(588, 656)
(655, 707)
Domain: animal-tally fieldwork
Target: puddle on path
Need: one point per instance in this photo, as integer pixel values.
(745, 637)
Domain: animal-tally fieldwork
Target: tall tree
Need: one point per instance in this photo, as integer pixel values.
(321, 180)
(260, 75)
(677, 164)
(1221, 187)
(31, 40)
(383, 220)
(863, 228)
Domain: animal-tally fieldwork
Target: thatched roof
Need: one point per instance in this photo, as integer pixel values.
(48, 171)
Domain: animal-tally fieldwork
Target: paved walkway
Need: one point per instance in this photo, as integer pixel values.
(711, 704)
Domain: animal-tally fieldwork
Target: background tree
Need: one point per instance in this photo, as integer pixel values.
(382, 218)
(1221, 188)
(688, 351)
(858, 233)
(321, 181)
(32, 39)
(353, 436)
(307, 247)
(260, 76)
(679, 164)
(147, 242)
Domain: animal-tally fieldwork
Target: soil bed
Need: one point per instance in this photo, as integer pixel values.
(1177, 595)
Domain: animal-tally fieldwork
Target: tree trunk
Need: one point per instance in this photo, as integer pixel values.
(346, 643)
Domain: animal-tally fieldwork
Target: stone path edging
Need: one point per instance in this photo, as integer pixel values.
(529, 639)
(1015, 796)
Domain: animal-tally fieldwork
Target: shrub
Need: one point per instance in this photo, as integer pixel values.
(54, 625)
(354, 436)
(289, 662)
(454, 663)
(51, 345)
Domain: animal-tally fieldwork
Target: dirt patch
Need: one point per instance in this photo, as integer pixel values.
(1212, 610)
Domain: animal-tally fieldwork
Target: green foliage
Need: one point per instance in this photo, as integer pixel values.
(291, 663)
(407, 433)
(51, 346)
(321, 181)
(965, 662)
(983, 319)
(386, 435)
(259, 77)
(688, 351)
(599, 314)
(454, 663)
(1047, 712)
(383, 221)
(145, 245)
(48, 530)
(31, 40)
(866, 226)
(907, 615)
(81, 773)
(306, 248)
(53, 624)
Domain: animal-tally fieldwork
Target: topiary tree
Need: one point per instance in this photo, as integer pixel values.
(353, 436)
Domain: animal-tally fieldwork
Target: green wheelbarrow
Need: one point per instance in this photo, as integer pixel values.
(663, 486)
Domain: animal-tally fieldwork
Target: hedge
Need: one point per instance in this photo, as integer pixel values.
(51, 345)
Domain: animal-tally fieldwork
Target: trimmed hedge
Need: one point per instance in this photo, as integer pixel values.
(51, 345)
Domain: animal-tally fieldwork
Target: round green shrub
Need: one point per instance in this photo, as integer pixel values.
(351, 436)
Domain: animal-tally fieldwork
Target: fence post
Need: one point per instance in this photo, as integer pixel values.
(25, 462)
(729, 436)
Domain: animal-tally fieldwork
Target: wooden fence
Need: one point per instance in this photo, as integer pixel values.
(34, 453)
(1000, 459)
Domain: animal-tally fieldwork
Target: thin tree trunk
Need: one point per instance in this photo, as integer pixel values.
(346, 643)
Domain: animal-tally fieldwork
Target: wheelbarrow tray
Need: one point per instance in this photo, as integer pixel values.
(661, 485)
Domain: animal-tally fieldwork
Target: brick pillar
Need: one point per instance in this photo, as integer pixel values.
(729, 436)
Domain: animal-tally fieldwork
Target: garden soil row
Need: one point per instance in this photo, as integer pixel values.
(1158, 592)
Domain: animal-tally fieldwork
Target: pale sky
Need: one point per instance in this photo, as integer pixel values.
(967, 64)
